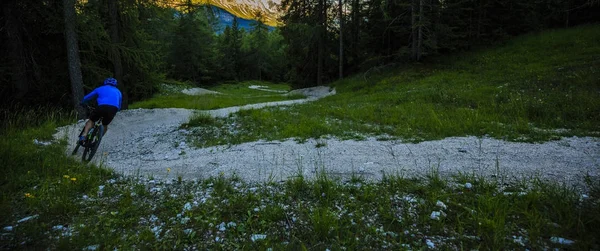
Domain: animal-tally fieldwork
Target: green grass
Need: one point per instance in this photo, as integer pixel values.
(79, 207)
(314, 214)
(231, 95)
(39, 180)
(534, 88)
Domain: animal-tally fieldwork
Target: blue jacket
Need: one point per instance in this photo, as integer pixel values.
(107, 95)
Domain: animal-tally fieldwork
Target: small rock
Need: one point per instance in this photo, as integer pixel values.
(156, 230)
(560, 240)
(519, 240)
(8, 229)
(28, 218)
(185, 220)
(41, 143)
(430, 243)
(435, 215)
(441, 204)
(256, 237)
(410, 199)
(187, 206)
(222, 227)
(92, 247)
(468, 185)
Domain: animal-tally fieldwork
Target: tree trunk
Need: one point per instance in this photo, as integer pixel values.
(414, 35)
(354, 30)
(113, 26)
(73, 55)
(480, 14)
(567, 7)
(420, 41)
(321, 45)
(15, 51)
(341, 39)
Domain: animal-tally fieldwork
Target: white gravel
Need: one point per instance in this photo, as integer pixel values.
(265, 88)
(198, 91)
(148, 142)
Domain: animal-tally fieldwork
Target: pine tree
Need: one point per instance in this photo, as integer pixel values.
(73, 55)
(193, 53)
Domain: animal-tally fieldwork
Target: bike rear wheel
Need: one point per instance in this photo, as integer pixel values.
(96, 138)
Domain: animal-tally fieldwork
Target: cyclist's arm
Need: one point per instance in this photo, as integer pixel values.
(90, 96)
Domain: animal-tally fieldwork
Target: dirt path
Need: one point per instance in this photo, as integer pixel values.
(148, 142)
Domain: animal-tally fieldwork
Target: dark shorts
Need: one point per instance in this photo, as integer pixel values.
(106, 112)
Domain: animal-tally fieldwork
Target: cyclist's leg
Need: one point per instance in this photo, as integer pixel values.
(109, 113)
(94, 116)
(88, 126)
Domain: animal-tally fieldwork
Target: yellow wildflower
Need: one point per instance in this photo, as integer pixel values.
(66, 176)
(28, 195)
(73, 179)
(168, 170)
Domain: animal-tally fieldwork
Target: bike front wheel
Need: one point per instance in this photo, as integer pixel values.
(77, 145)
(90, 150)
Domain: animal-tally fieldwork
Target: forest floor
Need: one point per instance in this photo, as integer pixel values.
(151, 143)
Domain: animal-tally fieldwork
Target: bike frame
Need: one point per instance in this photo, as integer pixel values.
(92, 141)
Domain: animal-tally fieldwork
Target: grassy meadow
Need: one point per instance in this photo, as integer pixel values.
(234, 94)
(533, 88)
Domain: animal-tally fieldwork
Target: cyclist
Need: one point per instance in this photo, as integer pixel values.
(109, 103)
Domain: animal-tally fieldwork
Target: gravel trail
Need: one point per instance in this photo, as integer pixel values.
(148, 142)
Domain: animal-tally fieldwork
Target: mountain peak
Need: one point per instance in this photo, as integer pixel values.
(247, 9)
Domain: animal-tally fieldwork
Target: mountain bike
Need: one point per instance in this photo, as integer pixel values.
(92, 139)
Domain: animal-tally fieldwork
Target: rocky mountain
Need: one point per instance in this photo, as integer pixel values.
(248, 9)
(226, 19)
